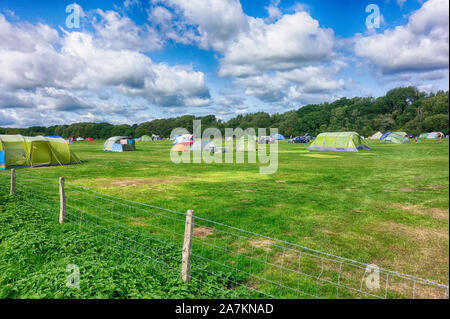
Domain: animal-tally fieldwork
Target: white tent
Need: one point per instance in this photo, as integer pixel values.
(375, 136)
(433, 135)
(185, 139)
(204, 145)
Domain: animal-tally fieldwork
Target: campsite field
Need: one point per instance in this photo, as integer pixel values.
(388, 206)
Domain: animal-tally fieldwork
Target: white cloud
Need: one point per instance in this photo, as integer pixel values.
(120, 32)
(42, 69)
(217, 21)
(258, 52)
(297, 85)
(421, 45)
(292, 41)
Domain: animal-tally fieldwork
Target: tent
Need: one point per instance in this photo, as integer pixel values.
(204, 145)
(119, 144)
(278, 137)
(54, 136)
(265, 140)
(89, 139)
(22, 151)
(396, 138)
(376, 136)
(385, 135)
(80, 139)
(300, 139)
(247, 143)
(433, 135)
(338, 141)
(145, 138)
(185, 139)
(179, 148)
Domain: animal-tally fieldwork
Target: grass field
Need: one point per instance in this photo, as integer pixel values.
(388, 206)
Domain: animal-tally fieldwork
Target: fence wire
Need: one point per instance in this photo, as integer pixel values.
(243, 264)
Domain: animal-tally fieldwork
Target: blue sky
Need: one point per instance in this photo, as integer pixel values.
(131, 61)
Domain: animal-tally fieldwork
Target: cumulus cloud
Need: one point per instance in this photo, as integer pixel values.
(40, 68)
(293, 40)
(421, 45)
(217, 21)
(297, 85)
(120, 32)
(257, 52)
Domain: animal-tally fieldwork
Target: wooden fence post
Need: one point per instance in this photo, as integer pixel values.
(13, 182)
(62, 201)
(187, 247)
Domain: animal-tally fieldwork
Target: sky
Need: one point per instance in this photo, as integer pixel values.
(131, 61)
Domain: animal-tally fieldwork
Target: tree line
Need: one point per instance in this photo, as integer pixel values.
(401, 109)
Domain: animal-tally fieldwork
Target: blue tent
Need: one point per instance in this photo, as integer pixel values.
(54, 136)
(300, 139)
(278, 137)
(385, 135)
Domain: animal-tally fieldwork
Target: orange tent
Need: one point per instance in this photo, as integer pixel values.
(179, 148)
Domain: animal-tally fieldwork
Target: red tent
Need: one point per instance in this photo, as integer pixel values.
(89, 139)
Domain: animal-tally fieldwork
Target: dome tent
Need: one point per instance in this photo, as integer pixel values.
(432, 135)
(376, 136)
(119, 144)
(89, 139)
(145, 138)
(339, 141)
(179, 148)
(24, 151)
(185, 139)
(396, 138)
(204, 145)
(278, 137)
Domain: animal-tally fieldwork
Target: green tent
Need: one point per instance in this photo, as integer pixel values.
(338, 141)
(396, 138)
(145, 138)
(22, 151)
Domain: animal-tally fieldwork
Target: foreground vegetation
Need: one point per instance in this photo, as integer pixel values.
(35, 252)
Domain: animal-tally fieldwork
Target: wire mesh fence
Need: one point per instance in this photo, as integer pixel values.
(243, 264)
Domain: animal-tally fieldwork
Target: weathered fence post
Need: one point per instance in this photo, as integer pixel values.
(187, 247)
(13, 182)
(62, 201)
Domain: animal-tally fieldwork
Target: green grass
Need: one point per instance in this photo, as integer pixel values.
(387, 206)
(35, 251)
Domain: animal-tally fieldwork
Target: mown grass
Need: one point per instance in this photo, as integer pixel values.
(387, 206)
